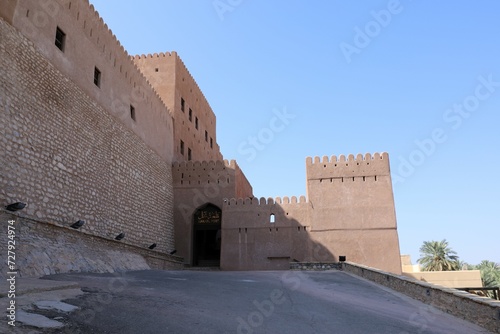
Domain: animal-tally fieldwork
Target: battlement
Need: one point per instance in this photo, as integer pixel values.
(350, 158)
(218, 173)
(254, 201)
(193, 173)
(265, 214)
(170, 77)
(350, 166)
(178, 59)
(155, 55)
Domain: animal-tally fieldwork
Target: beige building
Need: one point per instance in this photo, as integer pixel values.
(129, 145)
(449, 279)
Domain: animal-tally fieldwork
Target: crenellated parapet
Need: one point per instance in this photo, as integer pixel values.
(193, 173)
(194, 118)
(265, 213)
(348, 166)
(166, 56)
(350, 192)
(254, 201)
(155, 55)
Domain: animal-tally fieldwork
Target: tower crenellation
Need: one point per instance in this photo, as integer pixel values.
(151, 136)
(154, 55)
(218, 172)
(263, 201)
(347, 166)
(177, 58)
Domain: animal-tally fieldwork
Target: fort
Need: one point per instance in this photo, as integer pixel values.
(128, 145)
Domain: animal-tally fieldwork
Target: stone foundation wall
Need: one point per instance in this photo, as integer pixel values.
(482, 311)
(48, 248)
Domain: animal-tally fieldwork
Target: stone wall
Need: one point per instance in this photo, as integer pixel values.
(90, 44)
(482, 311)
(70, 159)
(48, 248)
(315, 266)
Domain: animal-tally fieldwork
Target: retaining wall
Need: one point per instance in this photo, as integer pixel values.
(482, 311)
(47, 248)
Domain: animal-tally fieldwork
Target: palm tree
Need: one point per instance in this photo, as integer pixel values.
(438, 256)
(490, 273)
(462, 265)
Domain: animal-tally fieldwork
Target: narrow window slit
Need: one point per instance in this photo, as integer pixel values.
(60, 39)
(97, 77)
(132, 112)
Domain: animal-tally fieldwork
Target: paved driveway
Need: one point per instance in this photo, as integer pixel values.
(248, 302)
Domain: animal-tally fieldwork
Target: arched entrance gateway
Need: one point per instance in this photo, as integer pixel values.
(207, 236)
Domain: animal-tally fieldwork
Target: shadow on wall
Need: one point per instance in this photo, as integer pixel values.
(206, 242)
(199, 185)
(350, 211)
(260, 234)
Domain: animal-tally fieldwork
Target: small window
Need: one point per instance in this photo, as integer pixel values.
(206, 136)
(196, 123)
(182, 104)
(182, 147)
(132, 112)
(157, 69)
(211, 143)
(60, 39)
(97, 77)
(190, 115)
(189, 154)
(272, 218)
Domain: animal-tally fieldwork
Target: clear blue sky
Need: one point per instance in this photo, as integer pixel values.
(417, 79)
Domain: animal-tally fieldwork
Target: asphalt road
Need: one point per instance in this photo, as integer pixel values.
(248, 302)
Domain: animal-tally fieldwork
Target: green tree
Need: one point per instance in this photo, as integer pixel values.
(438, 256)
(490, 273)
(462, 265)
